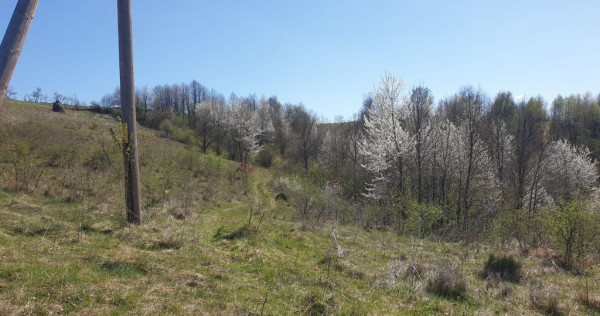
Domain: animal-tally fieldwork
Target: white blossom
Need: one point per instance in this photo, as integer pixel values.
(244, 124)
(386, 141)
(570, 171)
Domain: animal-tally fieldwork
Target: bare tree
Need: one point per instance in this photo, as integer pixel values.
(419, 109)
(145, 96)
(197, 92)
(307, 137)
(10, 93)
(281, 126)
(36, 95)
(529, 147)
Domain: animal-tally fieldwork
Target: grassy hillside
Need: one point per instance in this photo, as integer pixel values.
(216, 242)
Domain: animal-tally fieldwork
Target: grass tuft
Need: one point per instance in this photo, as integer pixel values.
(124, 268)
(313, 305)
(546, 300)
(239, 233)
(447, 281)
(166, 245)
(591, 302)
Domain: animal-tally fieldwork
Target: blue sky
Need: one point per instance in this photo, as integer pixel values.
(325, 54)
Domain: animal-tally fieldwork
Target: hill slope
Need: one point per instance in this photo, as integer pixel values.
(213, 241)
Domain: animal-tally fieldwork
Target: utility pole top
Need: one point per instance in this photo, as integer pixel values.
(13, 41)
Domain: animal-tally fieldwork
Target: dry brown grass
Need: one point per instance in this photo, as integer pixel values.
(546, 300)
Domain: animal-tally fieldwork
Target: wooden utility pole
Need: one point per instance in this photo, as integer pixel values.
(129, 130)
(13, 41)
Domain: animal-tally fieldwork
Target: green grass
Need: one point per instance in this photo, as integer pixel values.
(196, 254)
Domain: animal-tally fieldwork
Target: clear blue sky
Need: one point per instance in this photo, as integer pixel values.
(325, 54)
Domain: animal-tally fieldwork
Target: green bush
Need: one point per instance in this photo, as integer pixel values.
(167, 127)
(519, 225)
(213, 166)
(174, 130)
(422, 218)
(571, 227)
(505, 267)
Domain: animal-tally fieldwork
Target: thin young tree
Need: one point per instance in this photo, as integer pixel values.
(419, 111)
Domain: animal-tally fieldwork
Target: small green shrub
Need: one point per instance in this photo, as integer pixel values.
(177, 131)
(572, 228)
(213, 166)
(519, 225)
(507, 268)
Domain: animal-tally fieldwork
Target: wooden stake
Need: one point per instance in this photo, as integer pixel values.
(130, 152)
(13, 41)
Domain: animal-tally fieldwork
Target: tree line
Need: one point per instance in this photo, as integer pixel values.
(473, 159)
(466, 167)
(235, 127)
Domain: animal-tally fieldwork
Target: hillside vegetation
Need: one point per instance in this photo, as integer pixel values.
(217, 241)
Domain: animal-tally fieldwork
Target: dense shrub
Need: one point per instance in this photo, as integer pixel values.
(506, 268)
(517, 225)
(175, 130)
(572, 228)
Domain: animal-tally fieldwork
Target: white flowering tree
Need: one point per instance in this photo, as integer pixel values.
(570, 171)
(211, 118)
(245, 127)
(565, 172)
(473, 185)
(386, 142)
(263, 118)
